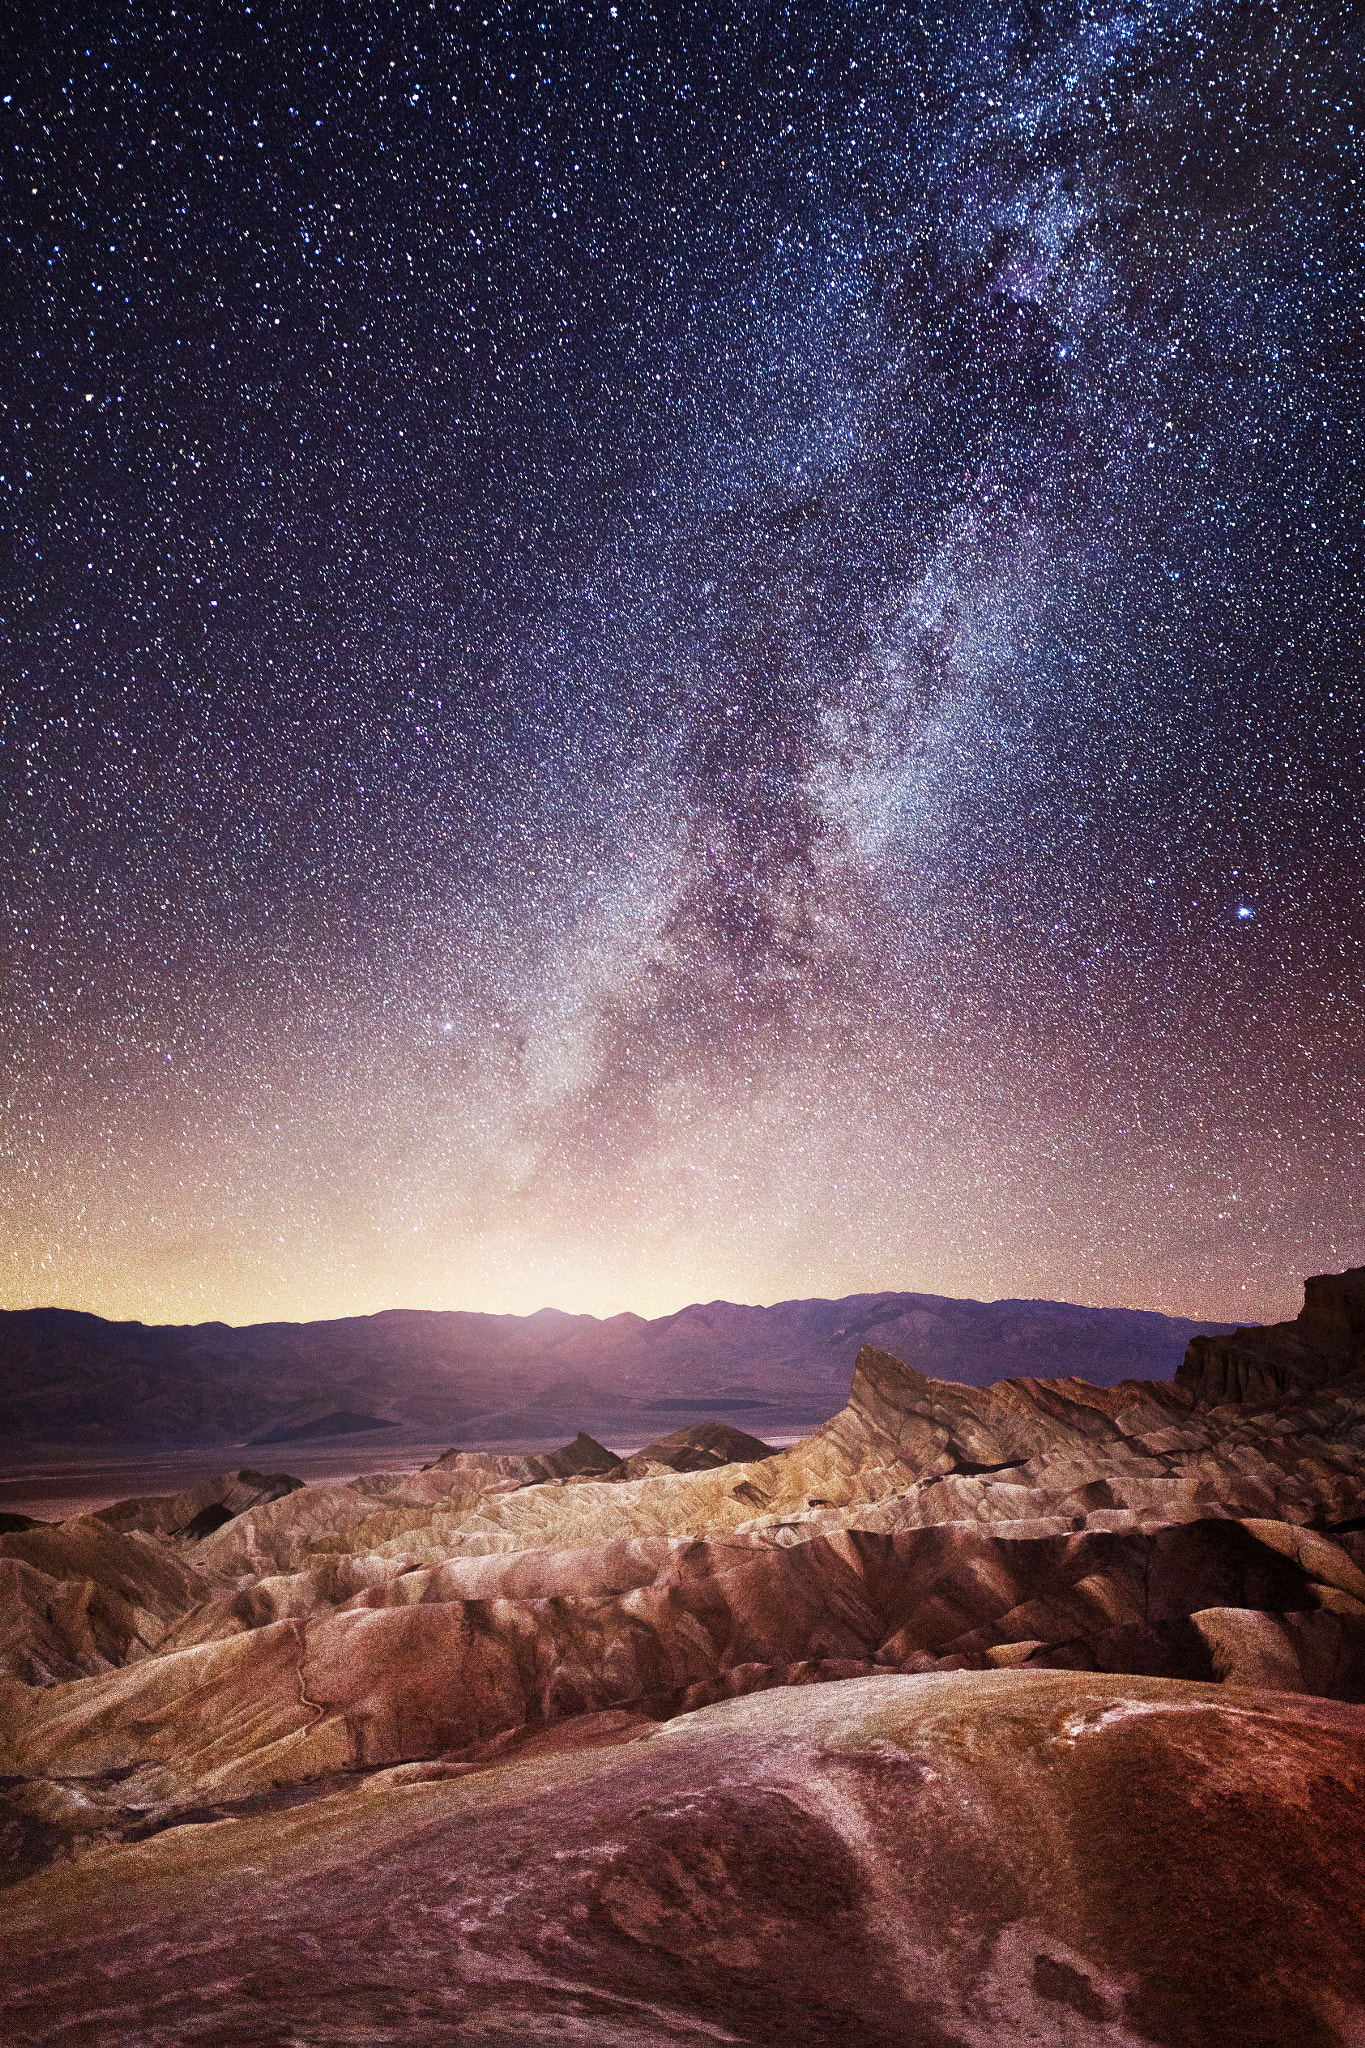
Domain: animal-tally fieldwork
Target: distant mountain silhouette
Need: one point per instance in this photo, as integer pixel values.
(74, 1380)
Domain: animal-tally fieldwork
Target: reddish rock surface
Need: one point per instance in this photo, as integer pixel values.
(1002, 1858)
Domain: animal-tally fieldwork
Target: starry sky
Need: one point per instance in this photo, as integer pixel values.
(661, 653)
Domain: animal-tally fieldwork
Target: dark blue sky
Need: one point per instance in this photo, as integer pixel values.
(664, 654)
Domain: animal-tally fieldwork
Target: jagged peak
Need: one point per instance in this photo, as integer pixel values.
(885, 1390)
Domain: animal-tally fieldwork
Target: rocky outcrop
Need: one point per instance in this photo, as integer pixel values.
(78, 1597)
(990, 1858)
(701, 1447)
(1325, 1343)
(583, 1457)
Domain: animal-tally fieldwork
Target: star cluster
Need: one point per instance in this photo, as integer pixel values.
(663, 653)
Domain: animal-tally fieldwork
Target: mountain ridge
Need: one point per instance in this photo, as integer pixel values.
(72, 1379)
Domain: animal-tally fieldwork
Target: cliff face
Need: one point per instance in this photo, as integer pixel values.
(1324, 1343)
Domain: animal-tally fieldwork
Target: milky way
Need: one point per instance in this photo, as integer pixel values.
(658, 655)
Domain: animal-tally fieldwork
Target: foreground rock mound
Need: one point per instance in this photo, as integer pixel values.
(970, 1858)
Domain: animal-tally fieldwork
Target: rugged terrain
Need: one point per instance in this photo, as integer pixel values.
(1030, 1712)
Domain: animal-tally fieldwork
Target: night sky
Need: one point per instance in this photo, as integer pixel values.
(652, 655)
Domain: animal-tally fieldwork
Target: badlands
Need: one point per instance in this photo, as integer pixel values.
(1024, 1713)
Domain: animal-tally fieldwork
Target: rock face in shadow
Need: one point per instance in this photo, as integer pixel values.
(199, 1509)
(913, 1730)
(1325, 1342)
(700, 1447)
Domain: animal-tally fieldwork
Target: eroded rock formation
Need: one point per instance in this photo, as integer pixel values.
(199, 1509)
(991, 1858)
(843, 1690)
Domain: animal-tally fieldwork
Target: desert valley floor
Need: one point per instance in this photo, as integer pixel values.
(1026, 1713)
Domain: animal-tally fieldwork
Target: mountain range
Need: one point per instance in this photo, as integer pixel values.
(70, 1380)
